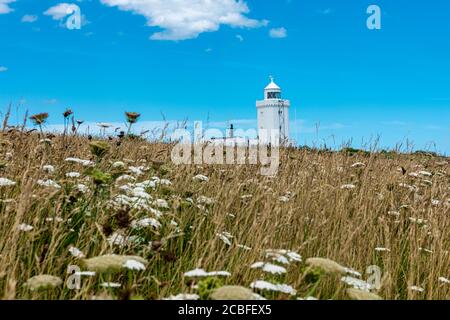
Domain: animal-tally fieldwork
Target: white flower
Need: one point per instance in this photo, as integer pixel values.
(444, 280)
(73, 175)
(201, 177)
(134, 265)
(264, 285)
(4, 182)
(357, 283)
(394, 213)
(110, 285)
(140, 193)
(184, 296)
(268, 267)
(165, 182)
(80, 161)
(125, 177)
(48, 183)
(147, 184)
(416, 288)
(76, 252)
(82, 188)
(119, 240)
(138, 171)
(435, 202)
(48, 168)
(146, 222)
(205, 200)
(418, 220)
(85, 273)
(283, 199)
(348, 186)
(244, 247)
(161, 203)
(25, 227)
(198, 273)
(104, 125)
(407, 186)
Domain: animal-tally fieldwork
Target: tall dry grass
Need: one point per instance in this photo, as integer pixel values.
(305, 208)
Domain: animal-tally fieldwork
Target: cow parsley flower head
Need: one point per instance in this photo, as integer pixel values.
(265, 285)
(268, 267)
(48, 183)
(134, 265)
(201, 177)
(25, 227)
(48, 168)
(4, 182)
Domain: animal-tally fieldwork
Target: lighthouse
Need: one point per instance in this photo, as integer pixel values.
(273, 115)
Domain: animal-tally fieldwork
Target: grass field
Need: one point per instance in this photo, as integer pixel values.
(68, 199)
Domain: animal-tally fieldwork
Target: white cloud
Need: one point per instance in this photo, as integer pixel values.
(3, 69)
(239, 37)
(29, 18)
(187, 19)
(278, 32)
(60, 11)
(4, 7)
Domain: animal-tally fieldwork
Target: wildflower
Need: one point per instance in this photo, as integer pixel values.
(42, 282)
(444, 280)
(85, 273)
(413, 174)
(348, 186)
(84, 163)
(76, 252)
(125, 177)
(161, 203)
(394, 213)
(416, 288)
(110, 263)
(435, 202)
(132, 118)
(357, 283)
(356, 294)
(199, 273)
(82, 188)
(205, 200)
(138, 171)
(268, 267)
(134, 265)
(244, 247)
(73, 175)
(264, 285)
(110, 285)
(39, 119)
(146, 222)
(48, 168)
(184, 296)
(48, 183)
(418, 220)
(4, 182)
(117, 239)
(232, 293)
(25, 227)
(283, 199)
(409, 187)
(201, 177)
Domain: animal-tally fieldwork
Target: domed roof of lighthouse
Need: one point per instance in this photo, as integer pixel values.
(272, 85)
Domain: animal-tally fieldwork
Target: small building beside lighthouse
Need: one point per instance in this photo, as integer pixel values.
(273, 115)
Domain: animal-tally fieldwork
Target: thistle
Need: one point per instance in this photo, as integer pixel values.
(39, 119)
(132, 118)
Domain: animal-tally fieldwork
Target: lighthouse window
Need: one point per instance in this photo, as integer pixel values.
(273, 95)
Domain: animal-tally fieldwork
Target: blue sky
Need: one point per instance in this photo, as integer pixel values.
(199, 59)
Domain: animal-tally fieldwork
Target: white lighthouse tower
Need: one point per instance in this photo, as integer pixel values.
(273, 115)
